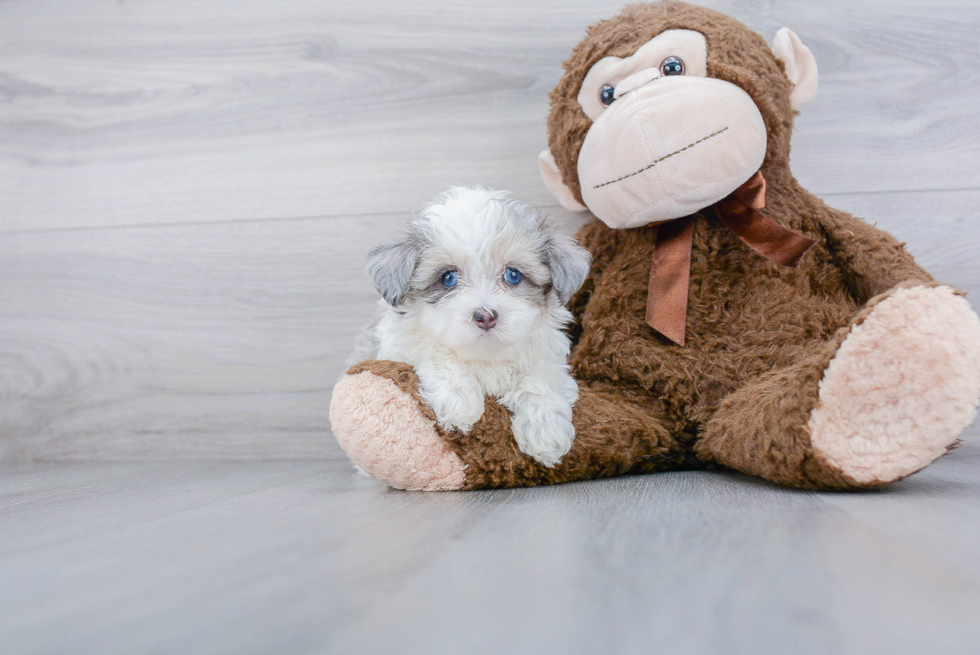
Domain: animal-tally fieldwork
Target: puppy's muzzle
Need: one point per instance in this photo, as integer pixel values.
(485, 318)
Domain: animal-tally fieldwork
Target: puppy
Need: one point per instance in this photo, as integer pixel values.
(474, 300)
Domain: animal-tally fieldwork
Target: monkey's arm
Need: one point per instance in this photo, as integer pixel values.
(872, 260)
(380, 420)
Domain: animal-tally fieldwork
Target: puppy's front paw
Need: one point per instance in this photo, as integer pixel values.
(456, 408)
(544, 433)
(463, 422)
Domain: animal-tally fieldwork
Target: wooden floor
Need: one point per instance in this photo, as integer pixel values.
(187, 193)
(307, 557)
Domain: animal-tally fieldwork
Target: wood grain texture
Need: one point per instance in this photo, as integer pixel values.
(167, 111)
(307, 557)
(202, 340)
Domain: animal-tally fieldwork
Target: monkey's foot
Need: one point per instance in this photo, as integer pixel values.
(386, 431)
(902, 386)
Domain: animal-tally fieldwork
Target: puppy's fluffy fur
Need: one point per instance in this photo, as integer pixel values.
(456, 267)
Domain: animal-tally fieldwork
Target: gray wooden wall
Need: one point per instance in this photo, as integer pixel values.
(188, 189)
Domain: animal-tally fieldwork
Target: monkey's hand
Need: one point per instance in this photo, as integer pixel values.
(378, 419)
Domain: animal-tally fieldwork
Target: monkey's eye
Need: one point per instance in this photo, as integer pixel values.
(607, 95)
(450, 279)
(512, 276)
(672, 66)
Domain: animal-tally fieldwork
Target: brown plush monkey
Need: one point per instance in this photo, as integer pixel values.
(730, 318)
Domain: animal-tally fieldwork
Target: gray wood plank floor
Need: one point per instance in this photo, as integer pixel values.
(307, 557)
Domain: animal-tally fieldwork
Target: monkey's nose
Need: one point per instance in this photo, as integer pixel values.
(485, 318)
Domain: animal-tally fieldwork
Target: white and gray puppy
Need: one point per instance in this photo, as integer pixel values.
(474, 300)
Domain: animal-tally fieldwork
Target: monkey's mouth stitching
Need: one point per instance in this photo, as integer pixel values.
(657, 161)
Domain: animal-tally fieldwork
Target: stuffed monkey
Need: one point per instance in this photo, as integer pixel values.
(730, 318)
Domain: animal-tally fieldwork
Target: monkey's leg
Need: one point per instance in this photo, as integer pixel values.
(887, 396)
(382, 424)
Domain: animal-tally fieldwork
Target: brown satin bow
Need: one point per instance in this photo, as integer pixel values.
(670, 270)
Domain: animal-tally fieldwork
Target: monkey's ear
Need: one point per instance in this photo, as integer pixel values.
(801, 66)
(552, 179)
(391, 268)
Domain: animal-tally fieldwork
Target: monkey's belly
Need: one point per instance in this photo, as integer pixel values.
(731, 341)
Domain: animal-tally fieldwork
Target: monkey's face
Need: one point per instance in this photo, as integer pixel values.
(672, 122)
(666, 140)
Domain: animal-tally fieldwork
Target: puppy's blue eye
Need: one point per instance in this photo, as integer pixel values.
(512, 276)
(449, 279)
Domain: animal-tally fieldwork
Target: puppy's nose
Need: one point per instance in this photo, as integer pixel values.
(485, 318)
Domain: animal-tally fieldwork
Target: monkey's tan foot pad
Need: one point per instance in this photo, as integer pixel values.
(385, 431)
(902, 387)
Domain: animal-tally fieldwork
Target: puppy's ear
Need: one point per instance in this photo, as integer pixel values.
(391, 268)
(569, 264)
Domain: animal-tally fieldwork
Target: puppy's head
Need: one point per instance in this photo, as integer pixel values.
(479, 270)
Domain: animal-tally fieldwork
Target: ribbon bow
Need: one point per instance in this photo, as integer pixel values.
(670, 271)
